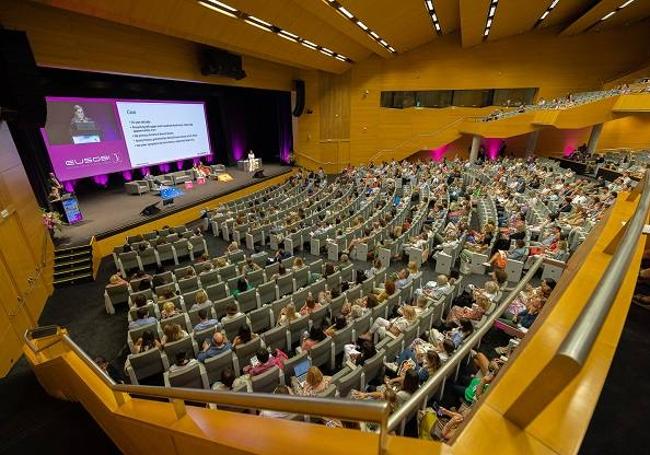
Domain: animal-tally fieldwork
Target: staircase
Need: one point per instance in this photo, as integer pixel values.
(73, 265)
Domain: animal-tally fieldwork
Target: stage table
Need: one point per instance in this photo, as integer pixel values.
(243, 165)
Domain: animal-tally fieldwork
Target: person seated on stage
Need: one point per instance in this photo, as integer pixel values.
(54, 182)
(54, 195)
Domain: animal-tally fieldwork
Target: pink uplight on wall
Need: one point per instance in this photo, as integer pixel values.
(492, 146)
(69, 186)
(101, 180)
(179, 165)
(438, 154)
(144, 171)
(164, 167)
(128, 175)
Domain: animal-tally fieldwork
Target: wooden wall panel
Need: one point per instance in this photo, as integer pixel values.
(67, 40)
(26, 254)
(334, 96)
(628, 132)
(538, 59)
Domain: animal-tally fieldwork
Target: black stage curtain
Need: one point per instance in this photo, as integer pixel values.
(239, 119)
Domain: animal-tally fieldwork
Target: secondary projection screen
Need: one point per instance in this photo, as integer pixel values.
(94, 136)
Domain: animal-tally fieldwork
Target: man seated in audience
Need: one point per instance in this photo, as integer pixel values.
(142, 319)
(213, 347)
(204, 321)
(182, 362)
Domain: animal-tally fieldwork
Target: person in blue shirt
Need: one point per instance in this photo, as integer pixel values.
(217, 346)
(204, 322)
(143, 319)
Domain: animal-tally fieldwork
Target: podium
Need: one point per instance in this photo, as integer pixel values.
(244, 165)
(68, 207)
(85, 132)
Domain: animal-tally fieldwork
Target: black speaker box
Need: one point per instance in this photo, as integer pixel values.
(218, 62)
(259, 174)
(150, 210)
(22, 99)
(300, 98)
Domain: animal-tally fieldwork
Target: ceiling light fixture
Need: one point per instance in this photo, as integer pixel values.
(223, 8)
(428, 4)
(547, 12)
(491, 13)
(356, 21)
(611, 13)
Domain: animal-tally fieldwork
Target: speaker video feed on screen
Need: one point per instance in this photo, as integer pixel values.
(94, 136)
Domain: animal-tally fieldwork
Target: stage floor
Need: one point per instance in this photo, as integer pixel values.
(111, 211)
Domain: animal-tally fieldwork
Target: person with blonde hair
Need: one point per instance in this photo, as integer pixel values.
(168, 310)
(201, 299)
(314, 384)
(395, 326)
(171, 333)
(288, 314)
(412, 267)
(298, 263)
(116, 280)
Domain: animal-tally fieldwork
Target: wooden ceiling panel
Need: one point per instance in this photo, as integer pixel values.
(473, 16)
(591, 17)
(514, 17)
(448, 12)
(637, 11)
(567, 11)
(302, 22)
(404, 25)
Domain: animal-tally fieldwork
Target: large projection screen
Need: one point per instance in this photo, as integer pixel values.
(94, 136)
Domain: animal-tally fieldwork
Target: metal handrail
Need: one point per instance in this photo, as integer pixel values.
(578, 343)
(360, 411)
(429, 387)
(321, 162)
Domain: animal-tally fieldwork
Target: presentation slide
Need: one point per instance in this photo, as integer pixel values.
(93, 136)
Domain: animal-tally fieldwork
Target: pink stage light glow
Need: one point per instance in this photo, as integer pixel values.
(492, 146)
(128, 175)
(69, 186)
(101, 180)
(179, 165)
(164, 167)
(438, 154)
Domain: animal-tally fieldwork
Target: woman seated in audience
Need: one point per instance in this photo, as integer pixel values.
(242, 286)
(310, 305)
(281, 272)
(421, 304)
(314, 384)
(298, 263)
(140, 301)
(171, 333)
(116, 281)
(409, 384)
(244, 335)
(249, 266)
(395, 326)
(526, 297)
(340, 322)
(356, 312)
(288, 314)
(182, 362)
(169, 310)
(403, 278)
(470, 389)
(315, 336)
(232, 312)
(443, 287)
(330, 269)
(221, 261)
(520, 252)
(560, 253)
(201, 300)
(376, 267)
(473, 313)
(425, 362)
(385, 292)
(232, 247)
(358, 353)
(146, 342)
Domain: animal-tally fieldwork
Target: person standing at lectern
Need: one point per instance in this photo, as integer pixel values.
(54, 182)
(251, 161)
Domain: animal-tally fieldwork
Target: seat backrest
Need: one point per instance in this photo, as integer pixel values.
(146, 364)
(260, 258)
(321, 353)
(231, 327)
(393, 348)
(297, 327)
(341, 338)
(333, 280)
(285, 284)
(336, 305)
(329, 392)
(221, 304)
(290, 365)
(236, 256)
(247, 300)
(185, 344)
(266, 292)
(379, 311)
(163, 288)
(180, 319)
(118, 294)
(362, 324)
(347, 273)
(209, 278)
(189, 377)
(134, 334)
(317, 287)
(319, 316)
(245, 351)
(301, 277)
(260, 319)
(348, 382)
(354, 293)
(373, 366)
(255, 278)
(272, 269)
(215, 366)
(227, 272)
(216, 291)
(267, 381)
(298, 298)
(190, 298)
(147, 293)
(276, 338)
(316, 266)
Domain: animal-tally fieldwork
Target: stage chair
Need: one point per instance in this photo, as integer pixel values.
(194, 377)
(138, 187)
(181, 177)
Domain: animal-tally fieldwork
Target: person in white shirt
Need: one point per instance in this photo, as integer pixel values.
(251, 161)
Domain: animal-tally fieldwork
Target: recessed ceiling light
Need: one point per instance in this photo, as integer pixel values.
(547, 12)
(347, 13)
(223, 8)
(351, 17)
(611, 13)
(362, 25)
(490, 16)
